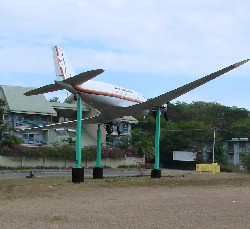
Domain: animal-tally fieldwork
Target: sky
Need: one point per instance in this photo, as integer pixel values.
(148, 46)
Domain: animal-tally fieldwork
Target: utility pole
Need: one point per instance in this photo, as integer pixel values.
(214, 142)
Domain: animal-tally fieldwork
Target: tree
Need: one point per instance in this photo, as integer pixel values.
(191, 128)
(54, 99)
(69, 141)
(142, 143)
(3, 125)
(240, 128)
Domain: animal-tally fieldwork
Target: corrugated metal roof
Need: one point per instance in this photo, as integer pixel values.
(19, 103)
(72, 106)
(129, 119)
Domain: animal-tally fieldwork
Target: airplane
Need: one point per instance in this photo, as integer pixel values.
(113, 102)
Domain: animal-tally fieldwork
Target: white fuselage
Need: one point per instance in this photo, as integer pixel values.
(101, 95)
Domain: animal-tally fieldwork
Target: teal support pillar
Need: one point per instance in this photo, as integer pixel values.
(157, 139)
(78, 171)
(156, 173)
(99, 145)
(98, 171)
(78, 134)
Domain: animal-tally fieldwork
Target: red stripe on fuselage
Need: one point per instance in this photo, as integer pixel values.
(57, 51)
(62, 73)
(105, 94)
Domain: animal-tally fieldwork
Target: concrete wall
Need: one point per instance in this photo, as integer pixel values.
(89, 135)
(15, 162)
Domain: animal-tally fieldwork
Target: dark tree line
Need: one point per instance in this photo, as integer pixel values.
(190, 128)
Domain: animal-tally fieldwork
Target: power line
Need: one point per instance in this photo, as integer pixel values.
(217, 129)
(210, 129)
(185, 130)
(231, 131)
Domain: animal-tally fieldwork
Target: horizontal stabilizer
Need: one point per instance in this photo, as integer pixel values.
(44, 89)
(90, 120)
(83, 77)
(78, 79)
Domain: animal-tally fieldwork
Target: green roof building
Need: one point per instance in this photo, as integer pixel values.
(28, 111)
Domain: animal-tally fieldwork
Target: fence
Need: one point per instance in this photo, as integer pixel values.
(24, 162)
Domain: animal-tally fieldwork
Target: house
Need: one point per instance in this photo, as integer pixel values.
(28, 111)
(237, 148)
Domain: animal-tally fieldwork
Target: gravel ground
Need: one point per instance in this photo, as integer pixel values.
(193, 201)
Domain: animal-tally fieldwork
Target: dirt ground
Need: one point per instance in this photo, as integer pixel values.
(194, 201)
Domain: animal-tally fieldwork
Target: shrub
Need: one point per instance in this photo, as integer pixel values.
(123, 166)
(113, 152)
(246, 162)
(63, 151)
(11, 141)
(229, 168)
(149, 166)
(89, 153)
(107, 167)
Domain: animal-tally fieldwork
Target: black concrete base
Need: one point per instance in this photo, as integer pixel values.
(77, 175)
(156, 173)
(97, 173)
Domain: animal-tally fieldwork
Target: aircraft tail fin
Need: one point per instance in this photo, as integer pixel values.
(63, 68)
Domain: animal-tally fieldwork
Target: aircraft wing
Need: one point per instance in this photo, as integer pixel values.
(137, 109)
(169, 96)
(109, 114)
(78, 79)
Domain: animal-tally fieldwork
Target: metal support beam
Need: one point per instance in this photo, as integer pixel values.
(78, 133)
(157, 139)
(156, 172)
(78, 171)
(98, 171)
(98, 155)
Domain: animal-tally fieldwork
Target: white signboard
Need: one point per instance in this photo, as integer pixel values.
(183, 156)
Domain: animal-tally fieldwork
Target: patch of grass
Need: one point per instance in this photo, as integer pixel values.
(22, 188)
(16, 188)
(62, 182)
(173, 180)
(56, 219)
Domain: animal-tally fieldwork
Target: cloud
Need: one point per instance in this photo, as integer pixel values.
(186, 39)
(167, 36)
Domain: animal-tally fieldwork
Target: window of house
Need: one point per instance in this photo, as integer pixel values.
(230, 146)
(7, 117)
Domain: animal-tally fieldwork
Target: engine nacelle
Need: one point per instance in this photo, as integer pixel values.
(163, 110)
(154, 113)
(165, 116)
(75, 97)
(109, 128)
